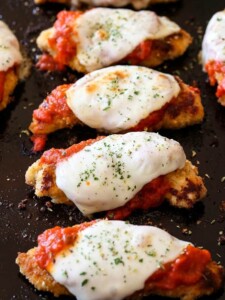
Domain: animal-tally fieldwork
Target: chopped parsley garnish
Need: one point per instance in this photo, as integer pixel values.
(118, 261)
(84, 282)
(83, 273)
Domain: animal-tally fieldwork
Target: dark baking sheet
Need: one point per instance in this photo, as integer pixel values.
(23, 217)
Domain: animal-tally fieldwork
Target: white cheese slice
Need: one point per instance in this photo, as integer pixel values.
(112, 171)
(118, 98)
(111, 259)
(213, 46)
(105, 36)
(9, 48)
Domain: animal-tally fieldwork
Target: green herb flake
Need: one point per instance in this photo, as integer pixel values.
(118, 261)
(83, 273)
(84, 282)
(65, 274)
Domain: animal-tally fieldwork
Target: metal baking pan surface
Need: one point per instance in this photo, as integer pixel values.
(23, 216)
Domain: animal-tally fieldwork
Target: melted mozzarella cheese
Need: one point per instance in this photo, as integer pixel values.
(9, 48)
(213, 46)
(105, 36)
(118, 98)
(112, 171)
(111, 259)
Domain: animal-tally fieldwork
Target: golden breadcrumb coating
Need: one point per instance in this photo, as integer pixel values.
(186, 187)
(184, 110)
(211, 281)
(163, 49)
(219, 78)
(40, 278)
(10, 83)
(169, 48)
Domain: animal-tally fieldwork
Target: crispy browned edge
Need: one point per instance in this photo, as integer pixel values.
(185, 110)
(11, 81)
(211, 281)
(186, 187)
(58, 122)
(169, 48)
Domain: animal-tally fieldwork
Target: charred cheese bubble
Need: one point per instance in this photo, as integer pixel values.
(118, 98)
(9, 48)
(101, 37)
(112, 260)
(105, 36)
(112, 171)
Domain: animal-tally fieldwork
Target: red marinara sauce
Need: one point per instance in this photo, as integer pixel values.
(47, 63)
(186, 269)
(152, 119)
(2, 84)
(53, 106)
(39, 141)
(62, 43)
(140, 53)
(151, 195)
(53, 155)
(52, 241)
(213, 67)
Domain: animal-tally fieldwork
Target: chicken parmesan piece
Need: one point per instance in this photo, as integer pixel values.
(10, 59)
(213, 54)
(100, 37)
(118, 174)
(119, 99)
(114, 260)
(137, 4)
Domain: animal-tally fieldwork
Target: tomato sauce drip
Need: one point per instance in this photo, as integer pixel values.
(213, 67)
(187, 269)
(54, 105)
(140, 53)
(53, 155)
(39, 141)
(54, 240)
(2, 84)
(151, 195)
(62, 42)
(47, 63)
